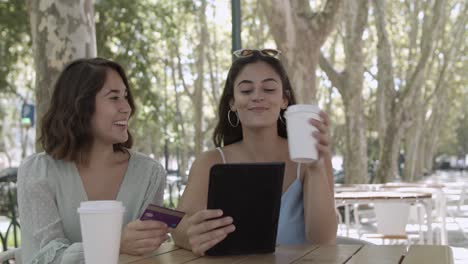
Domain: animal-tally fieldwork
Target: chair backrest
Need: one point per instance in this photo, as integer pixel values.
(14, 253)
(392, 218)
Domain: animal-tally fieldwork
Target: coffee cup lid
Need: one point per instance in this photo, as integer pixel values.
(103, 206)
(303, 108)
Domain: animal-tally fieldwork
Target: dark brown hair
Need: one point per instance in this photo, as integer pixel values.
(225, 134)
(66, 126)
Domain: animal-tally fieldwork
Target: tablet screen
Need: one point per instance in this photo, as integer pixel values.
(251, 194)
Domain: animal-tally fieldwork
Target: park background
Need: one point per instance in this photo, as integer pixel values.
(391, 74)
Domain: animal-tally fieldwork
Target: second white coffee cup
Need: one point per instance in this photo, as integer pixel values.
(302, 143)
(101, 227)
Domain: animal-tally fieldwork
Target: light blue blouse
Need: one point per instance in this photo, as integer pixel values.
(291, 226)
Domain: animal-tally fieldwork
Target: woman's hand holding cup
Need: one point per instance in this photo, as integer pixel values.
(322, 134)
(307, 128)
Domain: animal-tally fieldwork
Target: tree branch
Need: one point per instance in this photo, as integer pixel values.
(370, 73)
(10, 89)
(277, 14)
(361, 19)
(450, 52)
(335, 77)
(181, 73)
(355, 19)
(431, 26)
(384, 53)
(179, 116)
(326, 19)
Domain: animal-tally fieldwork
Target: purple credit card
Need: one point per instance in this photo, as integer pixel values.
(169, 216)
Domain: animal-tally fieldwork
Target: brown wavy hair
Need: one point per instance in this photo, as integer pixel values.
(224, 134)
(66, 126)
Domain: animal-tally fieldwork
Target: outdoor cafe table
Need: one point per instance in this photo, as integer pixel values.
(365, 197)
(338, 254)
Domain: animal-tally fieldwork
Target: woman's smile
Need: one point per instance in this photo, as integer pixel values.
(258, 109)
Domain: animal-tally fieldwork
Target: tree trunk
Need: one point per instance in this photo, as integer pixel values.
(414, 142)
(62, 30)
(386, 90)
(199, 82)
(431, 143)
(332, 60)
(356, 145)
(413, 137)
(350, 84)
(451, 52)
(425, 139)
(182, 146)
(387, 166)
(400, 103)
(299, 33)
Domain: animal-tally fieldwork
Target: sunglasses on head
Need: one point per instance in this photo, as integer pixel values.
(243, 53)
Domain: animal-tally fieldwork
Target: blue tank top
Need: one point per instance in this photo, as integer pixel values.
(291, 226)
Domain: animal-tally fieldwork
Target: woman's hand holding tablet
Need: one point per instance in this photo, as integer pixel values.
(207, 228)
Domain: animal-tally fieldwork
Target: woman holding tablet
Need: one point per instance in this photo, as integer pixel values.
(251, 128)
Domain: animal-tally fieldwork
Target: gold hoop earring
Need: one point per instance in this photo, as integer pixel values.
(281, 119)
(229, 118)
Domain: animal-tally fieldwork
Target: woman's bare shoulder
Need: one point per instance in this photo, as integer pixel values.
(209, 157)
(205, 161)
(232, 150)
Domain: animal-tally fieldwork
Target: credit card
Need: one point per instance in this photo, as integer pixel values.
(158, 213)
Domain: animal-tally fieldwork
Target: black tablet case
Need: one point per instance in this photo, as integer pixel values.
(251, 194)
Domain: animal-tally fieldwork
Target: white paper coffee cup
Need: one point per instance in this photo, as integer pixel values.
(101, 227)
(302, 143)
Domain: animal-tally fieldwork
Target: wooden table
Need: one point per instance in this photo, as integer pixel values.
(350, 254)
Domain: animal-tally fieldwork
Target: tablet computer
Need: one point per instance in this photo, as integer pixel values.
(251, 194)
